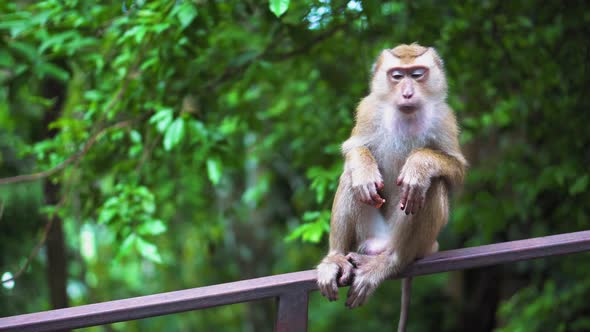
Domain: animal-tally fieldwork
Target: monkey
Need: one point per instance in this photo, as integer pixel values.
(401, 161)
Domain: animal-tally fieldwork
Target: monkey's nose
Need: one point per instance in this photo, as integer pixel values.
(407, 94)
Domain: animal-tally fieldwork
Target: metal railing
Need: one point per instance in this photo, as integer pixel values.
(291, 289)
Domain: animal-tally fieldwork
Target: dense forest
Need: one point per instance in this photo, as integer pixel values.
(151, 146)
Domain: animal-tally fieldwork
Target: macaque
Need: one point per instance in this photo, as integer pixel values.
(401, 161)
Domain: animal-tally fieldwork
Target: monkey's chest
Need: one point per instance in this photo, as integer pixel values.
(390, 164)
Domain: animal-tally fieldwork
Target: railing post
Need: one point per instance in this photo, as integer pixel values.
(292, 311)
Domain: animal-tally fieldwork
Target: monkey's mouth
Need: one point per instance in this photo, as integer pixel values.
(408, 108)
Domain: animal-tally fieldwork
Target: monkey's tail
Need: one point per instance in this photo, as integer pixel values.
(406, 296)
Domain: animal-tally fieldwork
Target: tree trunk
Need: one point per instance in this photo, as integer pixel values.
(56, 253)
(481, 295)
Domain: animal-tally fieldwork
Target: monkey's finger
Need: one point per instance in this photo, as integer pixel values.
(398, 181)
(415, 202)
(380, 204)
(377, 200)
(404, 197)
(366, 196)
(363, 196)
(410, 201)
(380, 185)
(420, 203)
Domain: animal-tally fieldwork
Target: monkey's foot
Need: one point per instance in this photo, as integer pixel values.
(333, 271)
(366, 278)
(362, 287)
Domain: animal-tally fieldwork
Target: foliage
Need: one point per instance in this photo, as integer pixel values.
(194, 137)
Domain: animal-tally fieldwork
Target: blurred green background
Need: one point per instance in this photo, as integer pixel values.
(190, 143)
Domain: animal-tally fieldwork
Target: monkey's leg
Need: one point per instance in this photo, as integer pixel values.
(429, 222)
(374, 232)
(415, 235)
(335, 269)
(412, 236)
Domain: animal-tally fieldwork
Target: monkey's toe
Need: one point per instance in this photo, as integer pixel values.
(356, 296)
(346, 276)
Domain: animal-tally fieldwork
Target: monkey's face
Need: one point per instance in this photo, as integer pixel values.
(409, 77)
(407, 87)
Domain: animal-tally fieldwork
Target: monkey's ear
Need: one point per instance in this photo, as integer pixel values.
(374, 67)
(378, 62)
(437, 59)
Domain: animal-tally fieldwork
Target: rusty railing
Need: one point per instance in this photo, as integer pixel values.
(291, 289)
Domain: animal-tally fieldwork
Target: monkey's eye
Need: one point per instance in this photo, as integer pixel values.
(397, 75)
(418, 73)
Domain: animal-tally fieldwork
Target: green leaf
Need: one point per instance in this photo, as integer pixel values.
(229, 125)
(126, 246)
(162, 119)
(135, 136)
(106, 215)
(214, 170)
(580, 185)
(312, 231)
(27, 50)
(278, 7)
(198, 131)
(174, 134)
(50, 69)
(148, 250)
(152, 227)
(186, 14)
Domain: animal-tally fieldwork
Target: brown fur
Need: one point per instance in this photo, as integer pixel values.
(392, 198)
(408, 53)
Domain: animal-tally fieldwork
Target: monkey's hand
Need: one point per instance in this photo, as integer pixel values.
(366, 182)
(367, 276)
(334, 270)
(414, 180)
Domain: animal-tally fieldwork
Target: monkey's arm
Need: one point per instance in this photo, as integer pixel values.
(417, 173)
(366, 180)
(444, 160)
(434, 163)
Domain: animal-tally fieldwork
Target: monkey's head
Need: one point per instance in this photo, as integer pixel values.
(408, 77)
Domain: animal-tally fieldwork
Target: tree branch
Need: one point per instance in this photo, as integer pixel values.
(72, 158)
(306, 47)
(48, 226)
(37, 247)
(232, 71)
